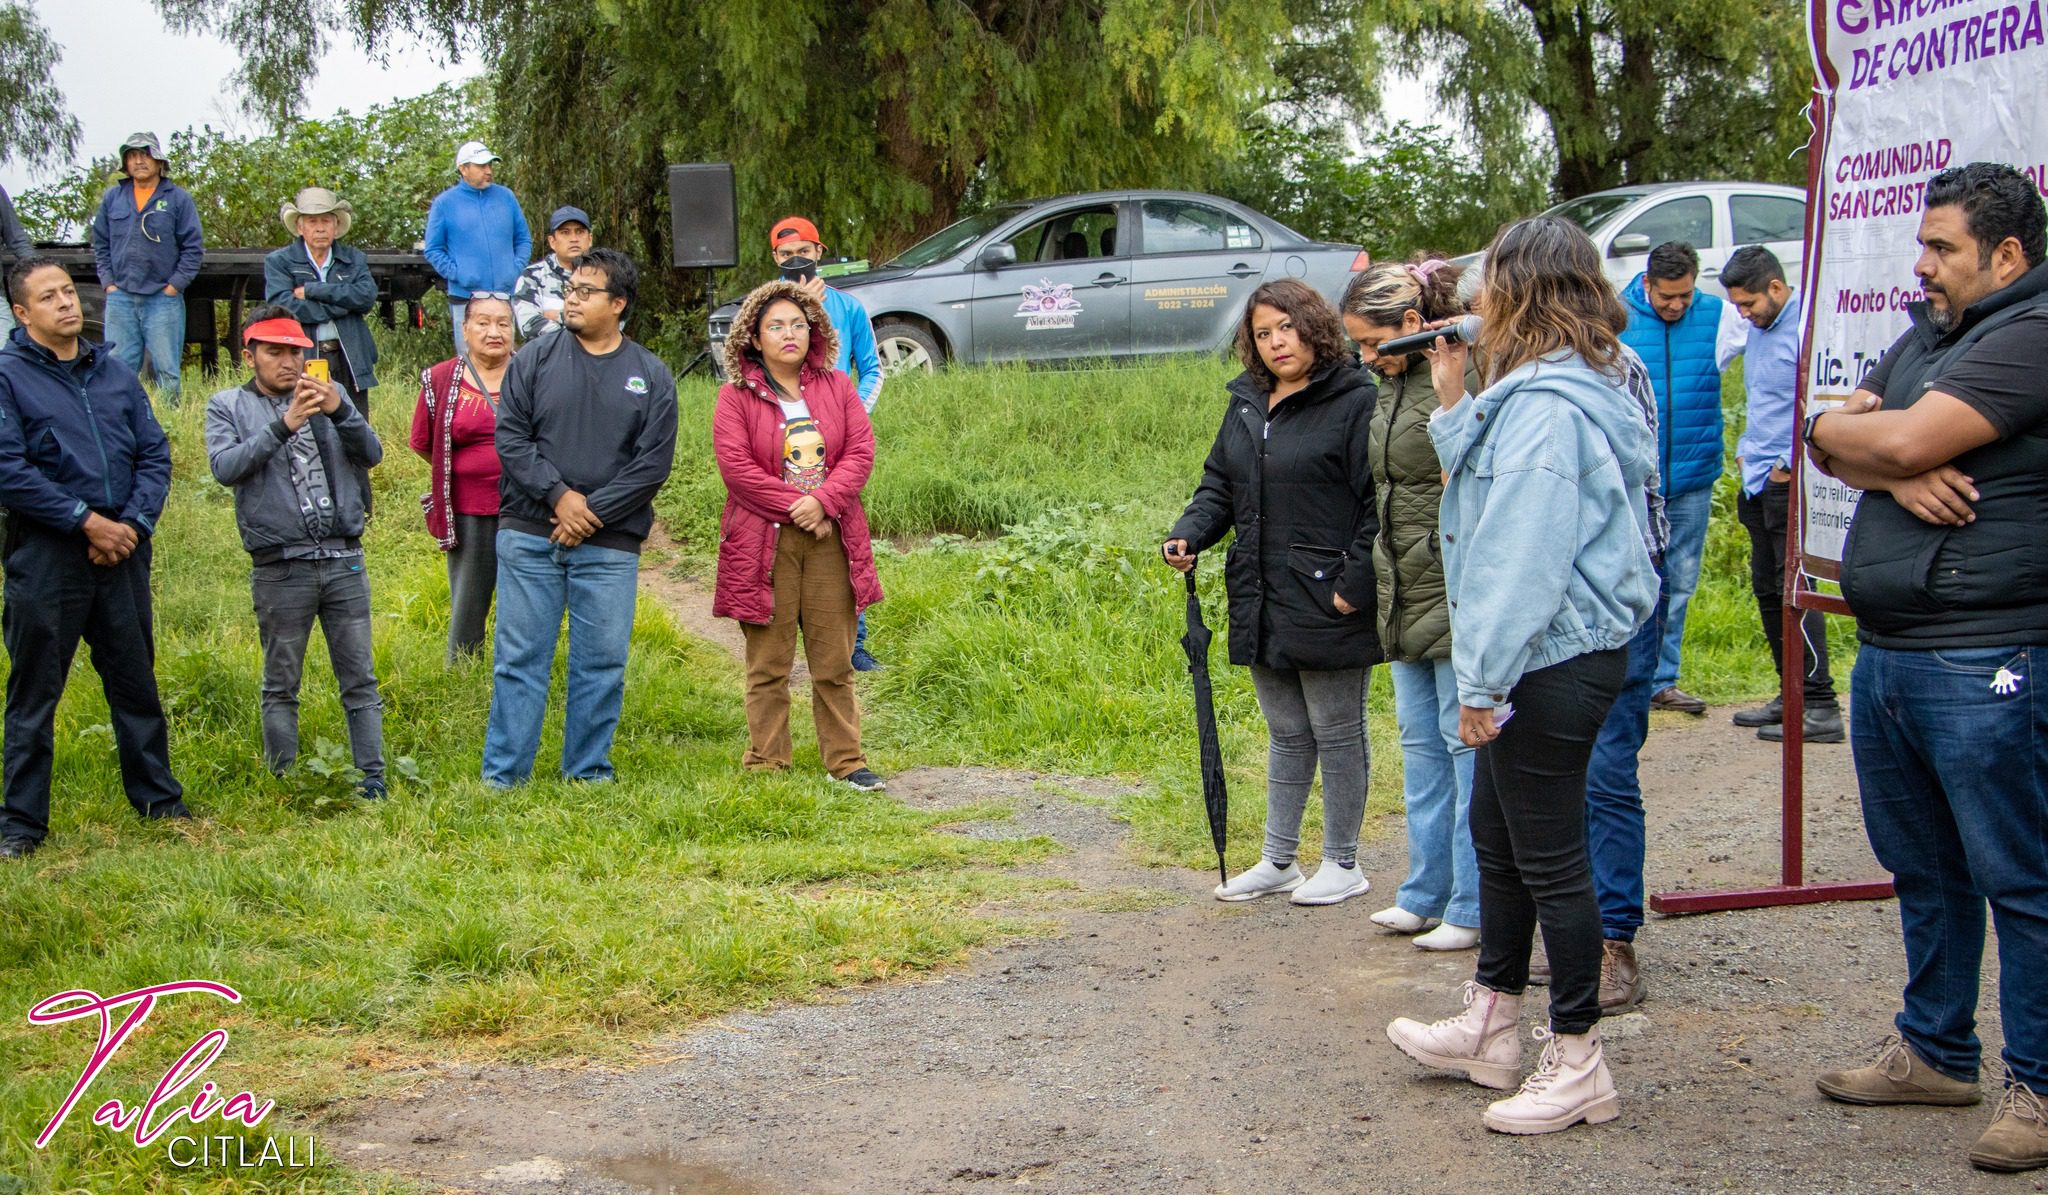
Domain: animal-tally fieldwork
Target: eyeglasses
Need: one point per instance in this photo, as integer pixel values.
(789, 329)
(580, 291)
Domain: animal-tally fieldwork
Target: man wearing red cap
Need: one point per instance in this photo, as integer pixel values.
(298, 458)
(797, 249)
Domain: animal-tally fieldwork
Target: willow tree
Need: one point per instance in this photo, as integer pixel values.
(34, 124)
(1629, 90)
(883, 119)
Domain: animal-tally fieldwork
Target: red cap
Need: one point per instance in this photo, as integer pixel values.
(278, 331)
(793, 228)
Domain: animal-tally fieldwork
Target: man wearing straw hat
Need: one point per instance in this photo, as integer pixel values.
(328, 288)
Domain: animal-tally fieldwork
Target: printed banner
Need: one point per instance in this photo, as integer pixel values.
(1907, 88)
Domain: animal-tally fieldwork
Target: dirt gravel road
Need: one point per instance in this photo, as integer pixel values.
(1162, 1042)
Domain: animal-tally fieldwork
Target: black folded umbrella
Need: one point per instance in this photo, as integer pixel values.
(1215, 794)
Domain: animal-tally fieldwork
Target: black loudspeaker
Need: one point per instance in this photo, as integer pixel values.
(703, 215)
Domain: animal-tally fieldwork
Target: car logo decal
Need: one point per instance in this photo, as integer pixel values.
(1048, 305)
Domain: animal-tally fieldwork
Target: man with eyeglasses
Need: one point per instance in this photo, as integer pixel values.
(586, 436)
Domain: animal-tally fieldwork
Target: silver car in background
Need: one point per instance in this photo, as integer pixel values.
(1100, 275)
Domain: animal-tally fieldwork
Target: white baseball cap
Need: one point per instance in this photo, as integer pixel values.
(473, 153)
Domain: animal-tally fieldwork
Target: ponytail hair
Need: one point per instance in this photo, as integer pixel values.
(1426, 284)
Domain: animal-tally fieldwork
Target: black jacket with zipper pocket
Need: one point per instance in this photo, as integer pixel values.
(1296, 485)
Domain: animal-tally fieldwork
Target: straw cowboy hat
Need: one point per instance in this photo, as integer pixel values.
(317, 201)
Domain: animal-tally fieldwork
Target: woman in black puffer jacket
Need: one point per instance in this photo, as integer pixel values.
(1290, 472)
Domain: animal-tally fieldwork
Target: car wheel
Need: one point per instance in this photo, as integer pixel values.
(907, 347)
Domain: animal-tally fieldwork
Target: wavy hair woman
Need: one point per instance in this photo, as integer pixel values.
(795, 449)
(1288, 473)
(1547, 563)
(1442, 889)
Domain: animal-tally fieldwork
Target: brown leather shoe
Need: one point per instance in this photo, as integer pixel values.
(1621, 981)
(2018, 1136)
(1897, 1076)
(1675, 698)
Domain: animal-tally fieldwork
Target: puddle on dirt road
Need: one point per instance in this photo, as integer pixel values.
(664, 1174)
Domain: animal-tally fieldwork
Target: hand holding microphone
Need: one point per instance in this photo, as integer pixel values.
(1445, 344)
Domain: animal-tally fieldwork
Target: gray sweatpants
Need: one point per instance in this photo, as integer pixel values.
(289, 596)
(1309, 716)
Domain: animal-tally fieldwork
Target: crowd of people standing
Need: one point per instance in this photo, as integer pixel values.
(1514, 526)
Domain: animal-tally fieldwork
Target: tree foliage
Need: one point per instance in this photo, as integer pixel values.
(34, 125)
(1631, 90)
(1410, 189)
(389, 164)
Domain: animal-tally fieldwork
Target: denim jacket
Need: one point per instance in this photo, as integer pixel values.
(1544, 522)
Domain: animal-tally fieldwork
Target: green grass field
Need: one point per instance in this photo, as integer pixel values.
(1029, 623)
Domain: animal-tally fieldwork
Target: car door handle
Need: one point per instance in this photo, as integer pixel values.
(1107, 279)
(1240, 270)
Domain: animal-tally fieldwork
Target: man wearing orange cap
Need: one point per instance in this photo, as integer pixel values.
(298, 458)
(797, 249)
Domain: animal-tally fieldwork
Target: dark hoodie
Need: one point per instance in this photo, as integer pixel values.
(1296, 483)
(78, 436)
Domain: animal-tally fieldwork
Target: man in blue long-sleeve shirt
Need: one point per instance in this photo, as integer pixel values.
(477, 238)
(84, 470)
(1770, 373)
(147, 245)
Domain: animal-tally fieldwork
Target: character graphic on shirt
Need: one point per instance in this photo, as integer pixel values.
(803, 453)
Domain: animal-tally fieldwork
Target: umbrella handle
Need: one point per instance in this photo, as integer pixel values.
(1190, 578)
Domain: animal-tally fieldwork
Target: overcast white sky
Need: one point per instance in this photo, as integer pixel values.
(123, 71)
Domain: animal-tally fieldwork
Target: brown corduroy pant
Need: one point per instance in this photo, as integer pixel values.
(814, 594)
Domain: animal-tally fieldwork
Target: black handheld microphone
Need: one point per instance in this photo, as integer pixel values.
(1465, 331)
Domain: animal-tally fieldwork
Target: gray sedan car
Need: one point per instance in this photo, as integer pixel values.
(1106, 274)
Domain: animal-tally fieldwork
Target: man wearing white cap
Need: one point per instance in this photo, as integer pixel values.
(477, 238)
(328, 288)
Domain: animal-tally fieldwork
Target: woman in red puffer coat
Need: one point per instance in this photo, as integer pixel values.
(794, 447)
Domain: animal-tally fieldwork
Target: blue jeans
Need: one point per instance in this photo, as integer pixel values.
(155, 323)
(1614, 794)
(457, 309)
(1689, 515)
(1436, 784)
(537, 582)
(1951, 752)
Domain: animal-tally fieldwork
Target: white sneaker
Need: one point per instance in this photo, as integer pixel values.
(1401, 921)
(1264, 879)
(1570, 1084)
(1333, 882)
(1448, 937)
(1484, 1041)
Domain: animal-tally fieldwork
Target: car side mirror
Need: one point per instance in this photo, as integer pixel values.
(998, 255)
(1628, 244)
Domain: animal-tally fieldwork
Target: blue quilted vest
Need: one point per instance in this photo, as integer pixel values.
(1688, 385)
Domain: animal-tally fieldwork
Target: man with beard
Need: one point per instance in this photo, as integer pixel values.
(1946, 567)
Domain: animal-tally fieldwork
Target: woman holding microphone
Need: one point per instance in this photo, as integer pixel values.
(1386, 301)
(1288, 471)
(1546, 529)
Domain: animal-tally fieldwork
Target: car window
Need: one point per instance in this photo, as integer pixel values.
(1690, 219)
(953, 237)
(1070, 235)
(1756, 218)
(1179, 226)
(1592, 212)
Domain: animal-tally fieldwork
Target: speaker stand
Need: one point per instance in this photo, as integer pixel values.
(710, 305)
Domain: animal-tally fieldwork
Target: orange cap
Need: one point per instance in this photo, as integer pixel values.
(793, 228)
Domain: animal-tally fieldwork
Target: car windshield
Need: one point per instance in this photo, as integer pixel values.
(952, 238)
(1591, 212)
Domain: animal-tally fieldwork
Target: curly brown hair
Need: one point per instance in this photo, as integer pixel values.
(1321, 334)
(745, 333)
(1544, 291)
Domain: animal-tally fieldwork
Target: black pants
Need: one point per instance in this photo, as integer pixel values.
(344, 377)
(54, 597)
(1529, 831)
(1764, 516)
